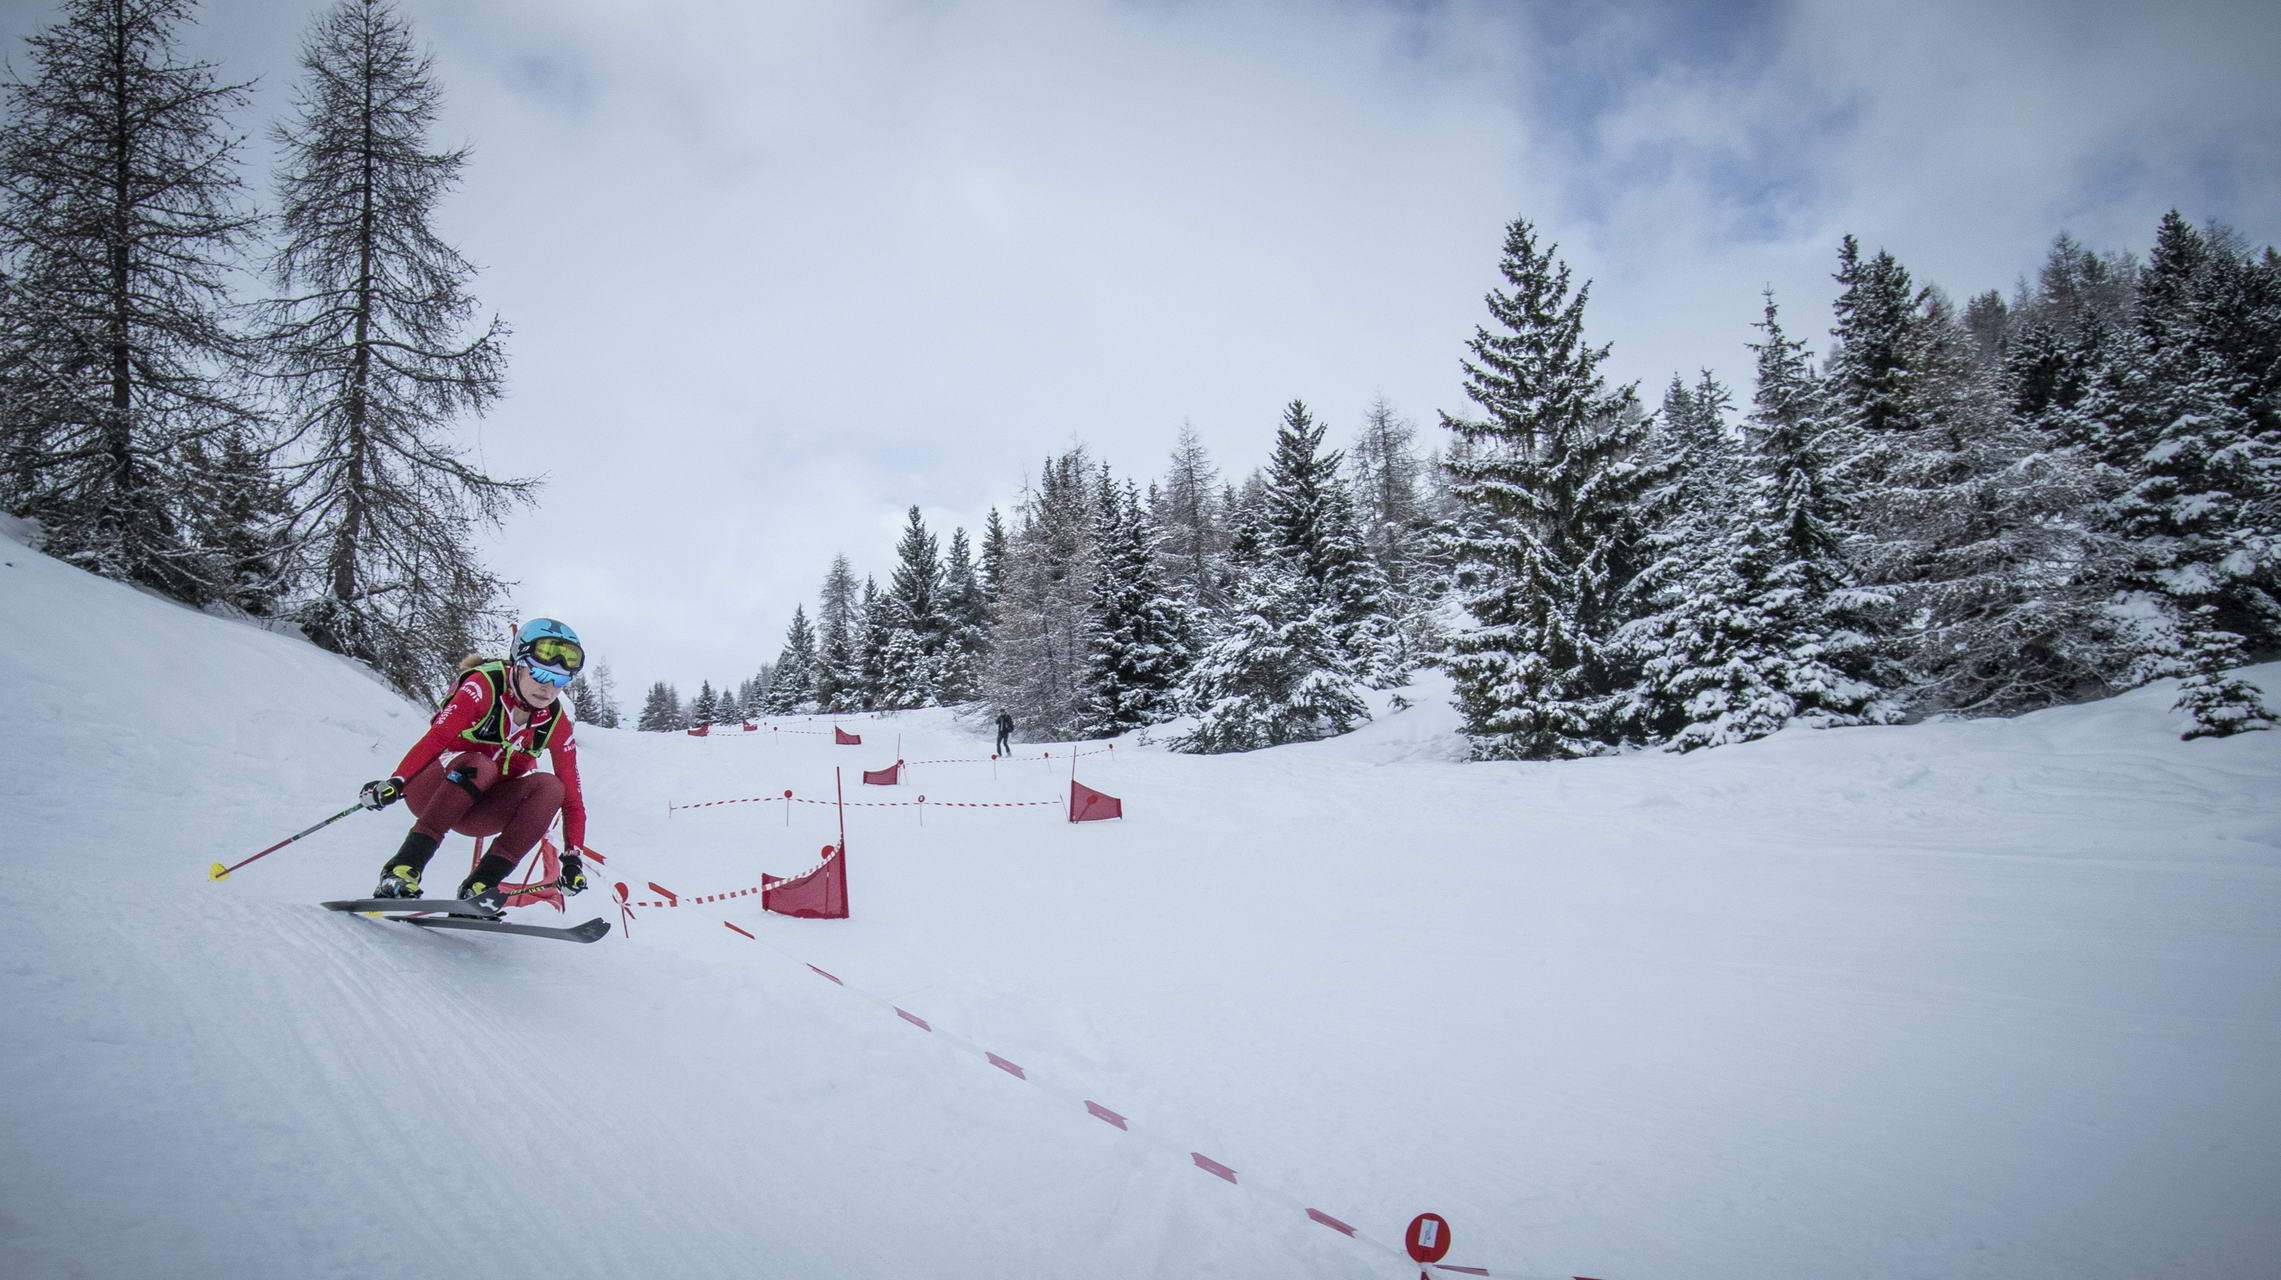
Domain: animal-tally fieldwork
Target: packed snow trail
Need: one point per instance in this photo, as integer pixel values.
(1992, 998)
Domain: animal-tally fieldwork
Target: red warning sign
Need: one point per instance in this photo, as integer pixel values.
(1428, 1238)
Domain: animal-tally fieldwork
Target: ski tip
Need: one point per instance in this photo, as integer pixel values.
(218, 872)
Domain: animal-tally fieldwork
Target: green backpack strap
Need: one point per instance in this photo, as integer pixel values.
(491, 730)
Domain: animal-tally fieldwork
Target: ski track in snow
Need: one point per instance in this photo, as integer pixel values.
(1963, 998)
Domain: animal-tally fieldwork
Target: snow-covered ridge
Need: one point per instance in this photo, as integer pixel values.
(1973, 998)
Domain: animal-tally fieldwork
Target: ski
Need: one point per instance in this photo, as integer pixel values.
(447, 906)
(591, 931)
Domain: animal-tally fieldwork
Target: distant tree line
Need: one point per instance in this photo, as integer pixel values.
(2024, 502)
(247, 408)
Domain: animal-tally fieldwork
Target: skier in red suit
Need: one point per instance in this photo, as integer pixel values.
(476, 770)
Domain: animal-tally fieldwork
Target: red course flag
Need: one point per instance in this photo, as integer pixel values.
(1088, 805)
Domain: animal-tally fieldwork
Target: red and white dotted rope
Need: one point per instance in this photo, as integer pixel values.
(668, 898)
(1108, 749)
(723, 732)
(1092, 1108)
(870, 804)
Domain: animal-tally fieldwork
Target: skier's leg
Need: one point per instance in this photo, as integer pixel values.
(438, 796)
(518, 810)
(444, 793)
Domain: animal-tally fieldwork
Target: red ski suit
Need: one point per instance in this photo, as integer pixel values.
(470, 707)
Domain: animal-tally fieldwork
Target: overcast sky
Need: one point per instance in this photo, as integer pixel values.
(779, 269)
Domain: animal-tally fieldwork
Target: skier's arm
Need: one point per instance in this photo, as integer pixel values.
(457, 716)
(564, 750)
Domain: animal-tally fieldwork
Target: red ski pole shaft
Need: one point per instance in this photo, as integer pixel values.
(220, 872)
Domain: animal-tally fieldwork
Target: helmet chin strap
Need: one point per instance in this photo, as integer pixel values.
(515, 680)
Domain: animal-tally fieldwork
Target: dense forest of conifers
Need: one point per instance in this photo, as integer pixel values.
(1925, 509)
(1982, 510)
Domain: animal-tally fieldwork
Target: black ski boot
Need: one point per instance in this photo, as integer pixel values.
(482, 884)
(401, 877)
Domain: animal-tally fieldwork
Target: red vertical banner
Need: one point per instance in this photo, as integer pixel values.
(821, 894)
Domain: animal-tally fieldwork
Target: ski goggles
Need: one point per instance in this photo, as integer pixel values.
(545, 675)
(562, 654)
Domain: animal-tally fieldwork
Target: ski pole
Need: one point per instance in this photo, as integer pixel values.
(220, 872)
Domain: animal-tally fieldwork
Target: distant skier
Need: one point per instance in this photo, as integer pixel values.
(495, 724)
(1005, 727)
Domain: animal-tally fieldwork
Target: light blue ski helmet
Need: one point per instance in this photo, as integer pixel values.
(549, 650)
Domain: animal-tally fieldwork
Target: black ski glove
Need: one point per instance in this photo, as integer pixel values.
(571, 875)
(379, 795)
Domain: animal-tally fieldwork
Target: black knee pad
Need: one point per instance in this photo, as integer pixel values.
(464, 778)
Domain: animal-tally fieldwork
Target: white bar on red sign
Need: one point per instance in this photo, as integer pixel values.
(1211, 1166)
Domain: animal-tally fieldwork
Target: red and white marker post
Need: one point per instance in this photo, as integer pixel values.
(1427, 1240)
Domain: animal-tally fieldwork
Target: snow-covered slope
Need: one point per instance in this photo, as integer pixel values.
(1992, 998)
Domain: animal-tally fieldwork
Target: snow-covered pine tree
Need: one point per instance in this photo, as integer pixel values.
(1274, 673)
(907, 672)
(1868, 368)
(1796, 511)
(371, 351)
(703, 711)
(121, 213)
(838, 669)
(2063, 332)
(1999, 585)
(600, 706)
(1695, 646)
(237, 511)
(966, 612)
(728, 707)
(581, 697)
(1548, 542)
(1391, 515)
(1709, 658)
(1188, 512)
(2188, 412)
(874, 620)
(2221, 703)
(2044, 374)
(1138, 647)
(793, 690)
(995, 544)
(2075, 284)
(1244, 508)
(1039, 619)
(1989, 321)
(661, 710)
(1876, 407)
(1309, 523)
(915, 594)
